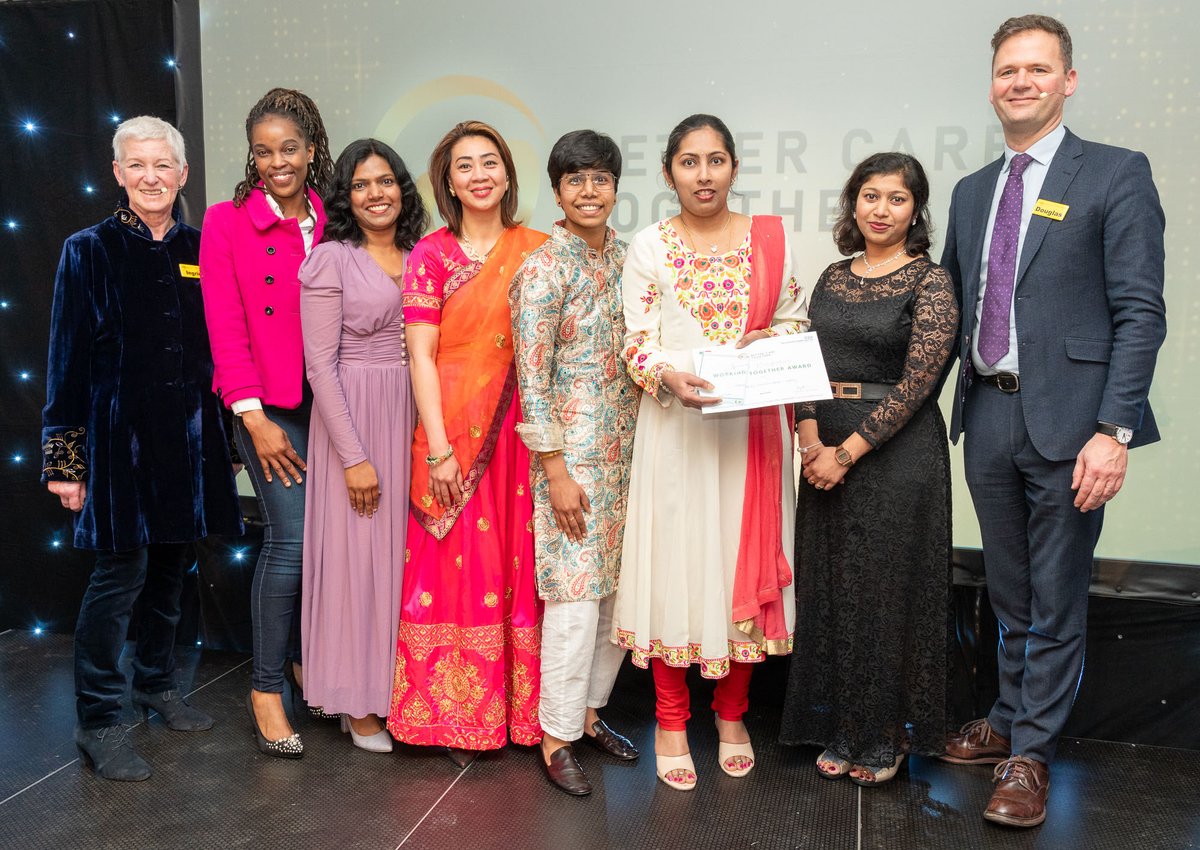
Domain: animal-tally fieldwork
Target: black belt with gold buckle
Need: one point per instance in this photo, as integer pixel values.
(859, 391)
(1006, 382)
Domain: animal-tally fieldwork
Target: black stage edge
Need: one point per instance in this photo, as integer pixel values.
(214, 790)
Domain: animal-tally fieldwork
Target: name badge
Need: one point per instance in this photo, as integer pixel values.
(1049, 209)
(189, 270)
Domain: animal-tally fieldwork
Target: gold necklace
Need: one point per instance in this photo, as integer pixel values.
(472, 254)
(712, 249)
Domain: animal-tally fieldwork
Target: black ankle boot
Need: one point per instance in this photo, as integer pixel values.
(110, 753)
(174, 708)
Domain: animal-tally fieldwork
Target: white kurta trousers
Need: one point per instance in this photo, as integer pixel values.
(579, 664)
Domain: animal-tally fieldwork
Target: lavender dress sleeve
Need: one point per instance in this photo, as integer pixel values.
(321, 320)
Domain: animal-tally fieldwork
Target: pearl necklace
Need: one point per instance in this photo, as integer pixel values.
(871, 268)
(712, 248)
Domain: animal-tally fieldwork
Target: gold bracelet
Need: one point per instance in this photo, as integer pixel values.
(548, 455)
(434, 461)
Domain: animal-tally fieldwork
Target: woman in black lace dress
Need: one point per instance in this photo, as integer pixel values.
(868, 677)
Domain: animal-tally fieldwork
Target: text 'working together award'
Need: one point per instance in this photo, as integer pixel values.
(775, 370)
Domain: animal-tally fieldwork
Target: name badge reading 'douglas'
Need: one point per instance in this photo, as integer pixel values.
(1049, 209)
(193, 271)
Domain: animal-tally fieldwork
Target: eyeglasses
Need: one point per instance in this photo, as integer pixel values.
(602, 181)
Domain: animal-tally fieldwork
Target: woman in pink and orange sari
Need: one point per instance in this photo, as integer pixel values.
(467, 651)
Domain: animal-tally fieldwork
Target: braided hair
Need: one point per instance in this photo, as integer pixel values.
(298, 108)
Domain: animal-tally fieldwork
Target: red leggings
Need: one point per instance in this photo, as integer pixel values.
(731, 697)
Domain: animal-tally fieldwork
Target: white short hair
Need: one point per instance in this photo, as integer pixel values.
(145, 127)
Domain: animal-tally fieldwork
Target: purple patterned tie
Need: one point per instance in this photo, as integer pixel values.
(1002, 265)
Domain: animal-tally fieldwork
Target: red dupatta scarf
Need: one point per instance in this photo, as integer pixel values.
(762, 569)
(475, 370)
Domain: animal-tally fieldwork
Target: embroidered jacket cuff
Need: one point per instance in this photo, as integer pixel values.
(64, 454)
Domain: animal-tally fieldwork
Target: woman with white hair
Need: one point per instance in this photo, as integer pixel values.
(132, 439)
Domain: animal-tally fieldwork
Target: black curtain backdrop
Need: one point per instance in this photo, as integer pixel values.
(69, 73)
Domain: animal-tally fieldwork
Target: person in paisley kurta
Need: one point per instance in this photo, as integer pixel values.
(580, 408)
(467, 648)
(707, 550)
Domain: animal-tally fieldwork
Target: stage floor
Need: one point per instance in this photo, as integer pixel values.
(214, 790)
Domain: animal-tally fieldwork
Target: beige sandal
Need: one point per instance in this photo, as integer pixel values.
(727, 752)
(666, 765)
(840, 766)
(879, 775)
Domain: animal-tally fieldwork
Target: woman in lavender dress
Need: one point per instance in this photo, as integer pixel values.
(360, 439)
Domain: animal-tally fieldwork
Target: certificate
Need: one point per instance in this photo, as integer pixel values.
(775, 370)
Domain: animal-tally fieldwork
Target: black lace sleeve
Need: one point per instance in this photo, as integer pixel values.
(934, 328)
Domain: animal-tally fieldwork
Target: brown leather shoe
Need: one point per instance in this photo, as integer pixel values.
(977, 743)
(565, 772)
(610, 742)
(1022, 785)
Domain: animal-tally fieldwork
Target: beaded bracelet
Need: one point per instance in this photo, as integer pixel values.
(434, 461)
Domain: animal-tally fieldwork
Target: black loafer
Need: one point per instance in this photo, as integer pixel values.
(608, 741)
(565, 772)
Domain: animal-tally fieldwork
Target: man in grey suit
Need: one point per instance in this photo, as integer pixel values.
(1056, 251)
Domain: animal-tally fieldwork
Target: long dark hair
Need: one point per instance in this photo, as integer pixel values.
(298, 108)
(342, 226)
(849, 238)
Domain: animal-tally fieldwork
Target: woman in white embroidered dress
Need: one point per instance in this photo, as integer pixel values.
(698, 584)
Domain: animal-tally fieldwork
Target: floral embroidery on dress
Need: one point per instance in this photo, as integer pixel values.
(650, 297)
(457, 687)
(648, 377)
(745, 652)
(715, 290)
(416, 711)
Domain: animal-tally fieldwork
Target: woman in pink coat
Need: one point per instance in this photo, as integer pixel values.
(250, 254)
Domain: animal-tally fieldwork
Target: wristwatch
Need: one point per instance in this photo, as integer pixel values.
(1118, 432)
(843, 457)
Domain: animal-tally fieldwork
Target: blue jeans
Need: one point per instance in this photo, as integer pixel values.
(275, 593)
(155, 573)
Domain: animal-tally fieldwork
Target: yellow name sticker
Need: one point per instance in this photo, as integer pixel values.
(1049, 209)
(188, 270)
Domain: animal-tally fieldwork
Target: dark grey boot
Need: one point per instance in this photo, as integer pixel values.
(174, 709)
(110, 753)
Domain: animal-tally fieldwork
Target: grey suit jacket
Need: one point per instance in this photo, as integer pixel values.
(1090, 315)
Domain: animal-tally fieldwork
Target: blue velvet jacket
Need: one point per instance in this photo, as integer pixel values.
(129, 407)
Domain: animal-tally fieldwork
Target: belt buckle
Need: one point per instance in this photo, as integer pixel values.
(1008, 382)
(846, 390)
